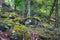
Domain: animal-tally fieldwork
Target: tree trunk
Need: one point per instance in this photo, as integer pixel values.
(15, 7)
(28, 7)
(56, 13)
(0, 3)
(23, 9)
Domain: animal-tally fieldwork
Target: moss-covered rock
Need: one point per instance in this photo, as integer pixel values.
(21, 31)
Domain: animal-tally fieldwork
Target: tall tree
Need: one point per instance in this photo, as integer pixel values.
(28, 8)
(0, 3)
(23, 8)
(56, 13)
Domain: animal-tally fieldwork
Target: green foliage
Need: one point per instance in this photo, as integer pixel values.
(47, 34)
(8, 21)
(17, 19)
(17, 2)
(58, 29)
(4, 15)
(27, 36)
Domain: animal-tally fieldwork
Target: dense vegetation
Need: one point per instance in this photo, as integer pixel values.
(29, 19)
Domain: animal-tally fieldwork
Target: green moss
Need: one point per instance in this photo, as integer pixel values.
(46, 24)
(21, 28)
(17, 19)
(43, 36)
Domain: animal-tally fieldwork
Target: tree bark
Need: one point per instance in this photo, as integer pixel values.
(56, 13)
(28, 8)
(23, 9)
(0, 3)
